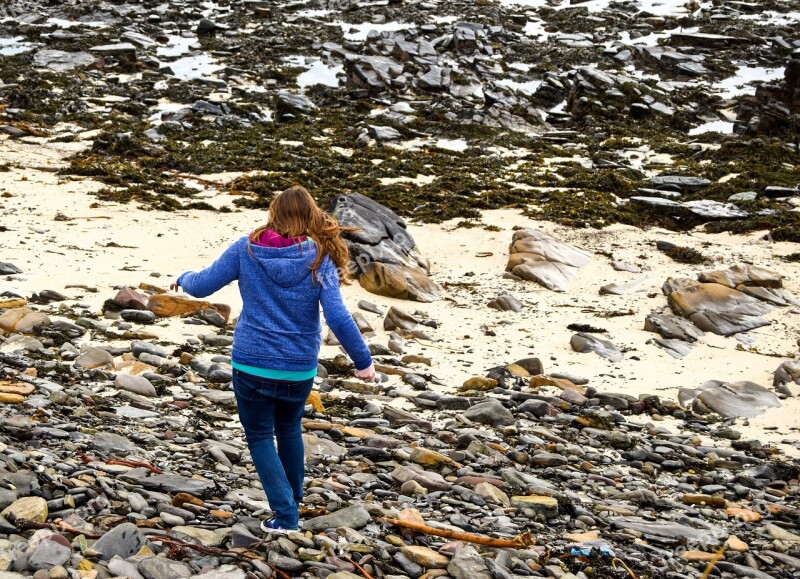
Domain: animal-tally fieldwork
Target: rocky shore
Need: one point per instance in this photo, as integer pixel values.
(577, 265)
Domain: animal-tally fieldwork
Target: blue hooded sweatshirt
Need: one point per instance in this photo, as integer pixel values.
(279, 327)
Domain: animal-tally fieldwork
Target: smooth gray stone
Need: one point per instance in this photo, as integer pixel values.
(122, 541)
(490, 412)
(670, 531)
(584, 343)
(354, 517)
(468, 564)
(109, 441)
(136, 384)
(49, 554)
(161, 568)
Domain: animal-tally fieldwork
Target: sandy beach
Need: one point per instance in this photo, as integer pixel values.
(103, 245)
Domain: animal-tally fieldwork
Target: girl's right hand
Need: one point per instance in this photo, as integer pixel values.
(367, 374)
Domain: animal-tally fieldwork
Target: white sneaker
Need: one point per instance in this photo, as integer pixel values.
(271, 527)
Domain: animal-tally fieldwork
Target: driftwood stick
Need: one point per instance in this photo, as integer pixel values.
(57, 525)
(120, 461)
(360, 568)
(519, 542)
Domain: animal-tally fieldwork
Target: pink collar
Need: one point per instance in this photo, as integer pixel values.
(271, 238)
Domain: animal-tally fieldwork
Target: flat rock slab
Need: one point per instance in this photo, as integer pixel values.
(386, 258)
(675, 348)
(621, 289)
(584, 343)
(669, 531)
(743, 274)
(539, 257)
(109, 441)
(729, 399)
(61, 61)
(354, 517)
(173, 483)
(672, 327)
(717, 308)
(122, 541)
(679, 183)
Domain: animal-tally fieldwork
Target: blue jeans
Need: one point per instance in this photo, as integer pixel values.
(270, 409)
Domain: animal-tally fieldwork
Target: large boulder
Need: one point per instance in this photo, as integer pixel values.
(728, 399)
(537, 256)
(786, 373)
(384, 256)
(717, 308)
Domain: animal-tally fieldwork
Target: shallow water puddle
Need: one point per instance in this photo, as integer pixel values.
(360, 32)
(198, 66)
(177, 46)
(63, 23)
(320, 73)
(723, 127)
(527, 87)
(16, 45)
(741, 83)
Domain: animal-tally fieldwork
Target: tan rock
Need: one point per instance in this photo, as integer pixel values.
(7, 303)
(544, 380)
(582, 537)
(168, 305)
(185, 498)
(207, 538)
(356, 432)
(386, 279)
(425, 557)
(547, 506)
(414, 359)
(92, 358)
(29, 508)
(31, 321)
(743, 274)
(492, 494)
(734, 543)
(411, 516)
(427, 457)
(9, 319)
(480, 383)
(315, 401)
(537, 256)
(412, 488)
(11, 398)
(782, 534)
(518, 371)
(699, 556)
(21, 388)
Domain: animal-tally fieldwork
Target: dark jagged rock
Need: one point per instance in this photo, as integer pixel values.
(386, 259)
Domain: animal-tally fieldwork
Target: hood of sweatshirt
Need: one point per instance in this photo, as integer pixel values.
(285, 266)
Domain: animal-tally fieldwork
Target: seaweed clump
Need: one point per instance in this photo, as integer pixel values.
(685, 255)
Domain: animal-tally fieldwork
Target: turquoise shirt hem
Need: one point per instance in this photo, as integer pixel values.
(292, 375)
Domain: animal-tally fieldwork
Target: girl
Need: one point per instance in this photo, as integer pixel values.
(286, 270)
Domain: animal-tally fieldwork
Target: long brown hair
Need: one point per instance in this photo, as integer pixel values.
(294, 213)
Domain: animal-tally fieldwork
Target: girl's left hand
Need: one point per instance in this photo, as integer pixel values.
(174, 286)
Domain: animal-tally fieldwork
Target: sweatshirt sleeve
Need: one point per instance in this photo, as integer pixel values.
(339, 319)
(203, 283)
